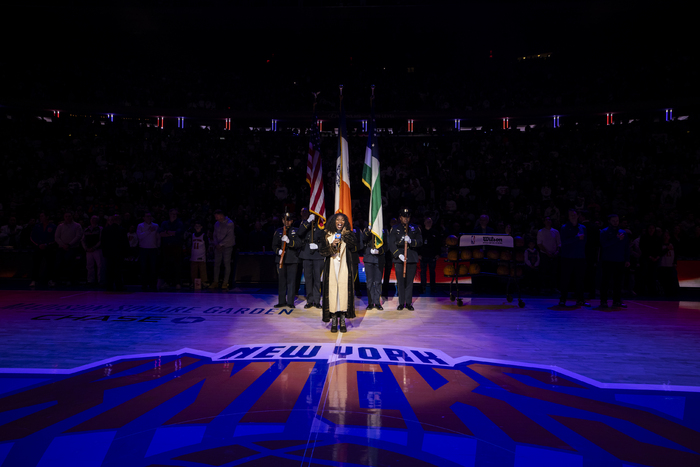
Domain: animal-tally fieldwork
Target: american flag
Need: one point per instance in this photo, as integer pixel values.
(314, 174)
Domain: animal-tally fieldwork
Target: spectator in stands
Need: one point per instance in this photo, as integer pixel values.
(133, 242)
(668, 276)
(549, 243)
(259, 239)
(573, 259)
(92, 244)
(429, 253)
(224, 241)
(532, 267)
(198, 245)
(42, 239)
(149, 242)
(10, 233)
(172, 233)
(115, 246)
(68, 237)
(483, 225)
(650, 246)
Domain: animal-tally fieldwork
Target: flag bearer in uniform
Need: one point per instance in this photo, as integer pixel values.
(404, 241)
(311, 236)
(286, 245)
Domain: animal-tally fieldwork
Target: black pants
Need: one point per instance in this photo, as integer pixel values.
(48, 256)
(405, 285)
(427, 265)
(66, 263)
(148, 260)
(172, 264)
(590, 280)
(114, 271)
(386, 283)
(548, 270)
(287, 282)
(611, 271)
(312, 276)
(668, 278)
(572, 269)
(374, 272)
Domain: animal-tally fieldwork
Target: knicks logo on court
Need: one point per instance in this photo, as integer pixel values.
(321, 404)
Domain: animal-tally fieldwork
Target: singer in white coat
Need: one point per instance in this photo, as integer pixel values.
(338, 272)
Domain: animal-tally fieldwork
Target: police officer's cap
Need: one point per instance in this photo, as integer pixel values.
(288, 216)
(405, 212)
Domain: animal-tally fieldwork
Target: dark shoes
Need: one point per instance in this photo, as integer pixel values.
(603, 305)
(379, 307)
(582, 303)
(409, 307)
(400, 307)
(341, 323)
(562, 302)
(290, 305)
(280, 305)
(619, 305)
(334, 323)
(308, 305)
(370, 306)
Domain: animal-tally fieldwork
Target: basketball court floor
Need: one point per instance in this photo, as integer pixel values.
(190, 379)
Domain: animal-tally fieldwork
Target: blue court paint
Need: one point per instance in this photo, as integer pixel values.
(173, 437)
(458, 449)
(4, 451)
(12, 384)
(84, 450)
(671, 405)
(529, 456)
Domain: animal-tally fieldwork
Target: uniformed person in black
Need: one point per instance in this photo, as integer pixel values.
(401, 234)
(359, 247)
(288, 271)
(311, 236)
(374, 258)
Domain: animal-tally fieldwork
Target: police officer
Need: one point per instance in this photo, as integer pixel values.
(286, 238)
(311, 236)
(405, 236)
(374, 257)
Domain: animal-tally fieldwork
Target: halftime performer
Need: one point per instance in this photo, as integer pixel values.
(311, 236)
(374, 267)
(404, 240)
(286, 244)
(338, 272)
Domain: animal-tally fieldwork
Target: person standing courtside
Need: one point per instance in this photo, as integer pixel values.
(615, 257)
(149, 241)
(224, 241)
(115, 246)
(573, 258)
(68, 237)
(287, 273)
(374, 258)
(310, 236)
(405, 237)
(172, 238)
(429, 253)
(42, 237)
(92, 244)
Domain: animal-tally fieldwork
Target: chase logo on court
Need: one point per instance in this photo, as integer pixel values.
(322, 404)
